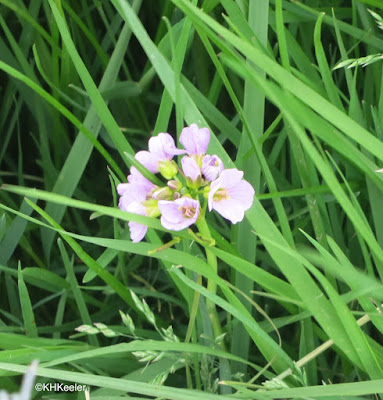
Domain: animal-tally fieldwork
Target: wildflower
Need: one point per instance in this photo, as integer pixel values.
(137, 230)
(179, 214)
(230, 195)
(136, 178)
(178, 204)
(134, 200)
(130, 193)
(195, 140)
(159, 157)
(212, 166)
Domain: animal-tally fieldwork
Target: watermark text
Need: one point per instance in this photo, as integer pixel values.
(59, 387)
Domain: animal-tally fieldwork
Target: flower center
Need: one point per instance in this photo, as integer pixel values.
(221, 194)
(213, 162)
(187, 212)
(198, 159)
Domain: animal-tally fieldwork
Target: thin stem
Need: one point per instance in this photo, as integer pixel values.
(193, 312)
(211, 285)
(193, 315)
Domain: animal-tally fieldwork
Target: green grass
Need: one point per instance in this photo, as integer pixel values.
(297, 288)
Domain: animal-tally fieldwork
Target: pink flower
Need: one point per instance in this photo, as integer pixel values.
(161, 150)
(132, 197)
(195, 140)
(178, 214)
(129, 193)
(136, 198)
(212, 166)
(137, 231)
(230, 195)
(135, 178)
(190, 168)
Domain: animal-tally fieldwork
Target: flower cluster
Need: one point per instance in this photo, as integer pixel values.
(200, 175)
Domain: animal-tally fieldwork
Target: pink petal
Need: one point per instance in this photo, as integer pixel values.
(137, 178)
(127, 198)
(172, 217)
(171, 210)
(243, 193)
(132, 193)
(136, 207)
(148, 160)
(163, 145)
(195, 140)
(230, 209)
(230, 177)
(175, 226)
(214, 186)
(190, 168)
(123, 203)
(122, 188)
(137, 231)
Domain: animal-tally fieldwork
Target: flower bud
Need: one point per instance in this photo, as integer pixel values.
(175, 185)
(164, 193)
(168, 169)
(212, 166)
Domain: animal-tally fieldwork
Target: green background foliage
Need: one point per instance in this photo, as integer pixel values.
(84, 85)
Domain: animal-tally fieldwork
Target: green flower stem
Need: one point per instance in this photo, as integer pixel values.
(189, 332)
(193, 313)
(165, 246)
(211, 286)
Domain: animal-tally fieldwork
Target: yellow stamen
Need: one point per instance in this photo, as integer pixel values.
(221, 194)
